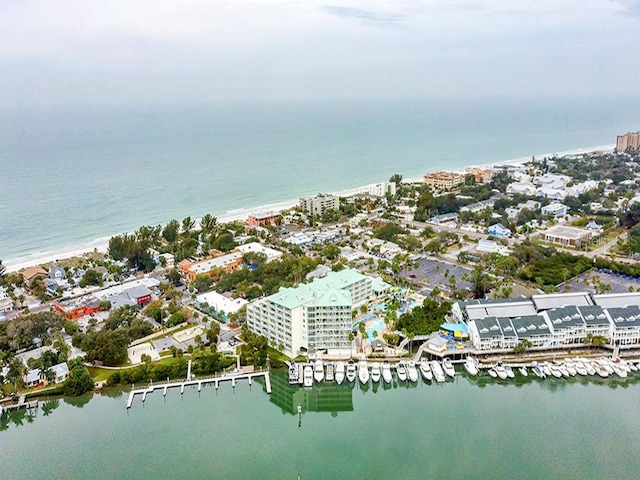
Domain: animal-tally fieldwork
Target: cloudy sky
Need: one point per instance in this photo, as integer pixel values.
(184, 51)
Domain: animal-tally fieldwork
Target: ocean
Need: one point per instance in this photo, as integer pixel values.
(71, 177)
(480, 428)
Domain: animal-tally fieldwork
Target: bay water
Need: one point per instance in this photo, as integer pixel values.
(72, 176)
(468, 428)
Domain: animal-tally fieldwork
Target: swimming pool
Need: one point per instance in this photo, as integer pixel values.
(376, 326)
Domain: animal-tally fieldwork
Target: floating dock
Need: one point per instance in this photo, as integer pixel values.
(198, 382)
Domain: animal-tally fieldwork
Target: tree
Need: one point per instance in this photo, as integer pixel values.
(170, 231)
(78, 381)
(208, 223)
(91, 277)
(174, 276)
(522, 346)
(202, 282)
(17, 370)
(396, 178)
(187, 226)
(3, 269)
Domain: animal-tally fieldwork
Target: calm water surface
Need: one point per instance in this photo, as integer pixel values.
(465, 429)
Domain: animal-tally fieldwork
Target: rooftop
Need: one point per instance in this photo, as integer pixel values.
(571, 233)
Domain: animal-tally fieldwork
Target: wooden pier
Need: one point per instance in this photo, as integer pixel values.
(198, 382)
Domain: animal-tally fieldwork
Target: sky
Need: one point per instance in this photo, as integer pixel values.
(197, 51)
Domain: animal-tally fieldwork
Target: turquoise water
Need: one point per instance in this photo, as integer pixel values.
(73, 175)
(481, 429)
(376, 326)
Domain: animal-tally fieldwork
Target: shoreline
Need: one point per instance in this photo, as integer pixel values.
(101, 244)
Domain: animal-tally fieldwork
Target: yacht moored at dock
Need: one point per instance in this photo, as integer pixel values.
(375, 372)
(363, 372)
(351, 371)
(425, 370)
(307, 373)
(386, 372)
(412, 371)
(447, 366)
(438, 373)
(318, 371)
(340, 372)
(401, 371)
(330, 375)
(471, 366)
(294, 373)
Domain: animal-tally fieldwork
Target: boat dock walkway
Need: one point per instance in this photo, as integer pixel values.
(22, 403)
(214, 379)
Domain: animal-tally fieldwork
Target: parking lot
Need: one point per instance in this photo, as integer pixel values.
(585, 283)
(431, 273)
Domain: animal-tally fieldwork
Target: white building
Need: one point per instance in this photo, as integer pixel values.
(219, 303)
(555, 209)
(382, 189)
(319, 204)
(256, 247)
(314, 316)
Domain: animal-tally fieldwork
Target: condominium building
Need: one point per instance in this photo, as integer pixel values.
(481, 175)
(629, 142)
(552, 321)
(443, 180)
(320, 204)
(311, 317)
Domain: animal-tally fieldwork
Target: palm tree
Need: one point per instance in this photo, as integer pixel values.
(187, 225)
(208, 223)
(3, 269)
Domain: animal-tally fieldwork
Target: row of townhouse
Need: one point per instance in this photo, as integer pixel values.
(552, 321)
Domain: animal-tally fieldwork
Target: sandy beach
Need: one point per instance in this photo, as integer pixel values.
(101, 245)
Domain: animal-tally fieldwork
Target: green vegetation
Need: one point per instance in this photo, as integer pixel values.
(79, 381)
(20, 332)
(424, 319)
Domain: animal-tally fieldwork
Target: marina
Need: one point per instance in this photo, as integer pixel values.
(445, 370)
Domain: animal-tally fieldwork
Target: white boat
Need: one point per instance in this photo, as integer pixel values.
(493, 373)
(386, 372)
(501, 371)
(570, 366)
(471, 366)
(401, 371)
(620, 363)
(537, 370)
(563, 370)
(621, 372)
(339, 373)
(555, 370)
(580, 368)
(546, 369)
(363, 372)
(307, 376)
(601, 371)
(438, 373)
(425, 370)
(412, 371)
(330, 376)
(523, 371)
(318, 371)
(510, 372)
(629, 366)
(447, 366)
(589, 367)
(606, 364)
(376, 372)
(351, 371)
(294, 373)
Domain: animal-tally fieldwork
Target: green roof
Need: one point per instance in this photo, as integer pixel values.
(329, 290)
